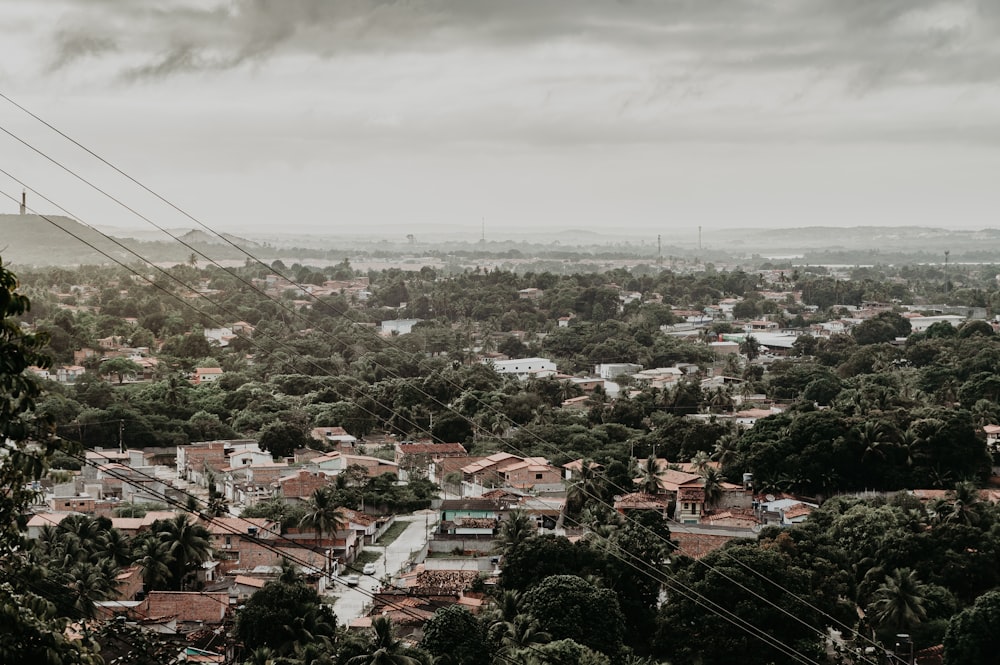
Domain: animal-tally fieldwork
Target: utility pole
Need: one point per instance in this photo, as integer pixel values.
(121, 436)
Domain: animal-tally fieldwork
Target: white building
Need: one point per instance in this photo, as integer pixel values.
(398, 326)
(524, 368)
(614, 370)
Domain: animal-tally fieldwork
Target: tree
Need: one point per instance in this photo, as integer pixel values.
(323, 514)
(153, 554)
(898, 604)
(710, 603)
(651, 474)
(282, 613)
(383, 648)
(455, 633)
(188, 545)
(121, 367)
(568, 607)
(538, 557)
(973, 635)
(32, 631)
(588, 487)
(750, 347)
(282, 438)
(518, 527)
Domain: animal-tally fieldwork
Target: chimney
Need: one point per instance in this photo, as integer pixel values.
(24, 202)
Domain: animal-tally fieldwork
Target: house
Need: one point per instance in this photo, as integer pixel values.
(532, 473)
(452, 509)
(398, 326)
(195, 461)
(575, 468)
(336, 437)
(920, 323)
(243, 542)
(577, 403)
(69, 373)
(641, 501)
(206, 375)
(587, 384)
(365, 526)
(300, 485)
(611, 371)
(524, 368)
(530, 293)
(417, 458)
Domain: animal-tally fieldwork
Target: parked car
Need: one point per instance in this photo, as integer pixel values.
(369, 569)
(352, 580)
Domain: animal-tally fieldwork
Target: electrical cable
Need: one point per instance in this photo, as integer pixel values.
(193, 219)
(200, 311)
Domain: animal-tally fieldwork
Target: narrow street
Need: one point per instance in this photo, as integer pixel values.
(353, 602)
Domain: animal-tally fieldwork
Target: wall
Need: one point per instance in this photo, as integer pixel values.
(481, 564)
(467, 544)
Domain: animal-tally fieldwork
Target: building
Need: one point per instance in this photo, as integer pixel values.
(524, 368)
(398, 326)
(612, 371)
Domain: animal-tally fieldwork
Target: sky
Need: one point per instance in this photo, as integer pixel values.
(382, 117)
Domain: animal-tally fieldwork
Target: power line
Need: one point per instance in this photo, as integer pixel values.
(249, 255)
(416, 426)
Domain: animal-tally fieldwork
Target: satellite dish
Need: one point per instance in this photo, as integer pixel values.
(769, 497)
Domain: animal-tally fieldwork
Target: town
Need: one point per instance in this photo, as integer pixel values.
(432, 457)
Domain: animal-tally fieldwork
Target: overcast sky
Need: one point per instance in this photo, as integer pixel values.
(367, 116)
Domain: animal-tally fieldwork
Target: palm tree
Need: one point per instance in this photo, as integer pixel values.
(518, 527)
(91, 583)
(587, 486)
(153, 555)
(323, 514)
(713, 480)
(650, 483)
(875, 441)
(898, 604)
(700, 462)
(525, 634)
(188, 545)
(965, 507)
(114, 545)
(725, 449)
(384, 648)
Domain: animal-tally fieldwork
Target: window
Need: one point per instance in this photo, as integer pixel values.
(538, 476)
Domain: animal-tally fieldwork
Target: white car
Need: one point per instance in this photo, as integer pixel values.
(352, 580)
(369, 569)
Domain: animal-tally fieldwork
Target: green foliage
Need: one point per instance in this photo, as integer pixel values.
(32, 629)
(973, 635)
(455, 633)
(283, 614)
(571, 608)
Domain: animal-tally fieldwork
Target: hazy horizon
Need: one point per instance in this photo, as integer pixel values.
(632, 118)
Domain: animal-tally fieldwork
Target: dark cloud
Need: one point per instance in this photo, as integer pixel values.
(869, 42)
(73, 46)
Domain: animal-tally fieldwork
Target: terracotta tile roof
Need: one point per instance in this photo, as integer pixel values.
(255, 582)
(432, 448)
(697, 545)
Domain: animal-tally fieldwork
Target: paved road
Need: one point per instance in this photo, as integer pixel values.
(352, 603)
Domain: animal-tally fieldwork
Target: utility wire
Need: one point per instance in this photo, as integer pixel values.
(249, 255)
(322, 369)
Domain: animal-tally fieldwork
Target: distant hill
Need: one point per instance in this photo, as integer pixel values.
(58, 240)
(53, 240)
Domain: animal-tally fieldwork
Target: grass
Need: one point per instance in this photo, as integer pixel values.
(392, 533)
(367, 556)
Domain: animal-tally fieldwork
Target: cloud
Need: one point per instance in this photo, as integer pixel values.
(889, 42)
(74, 46)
